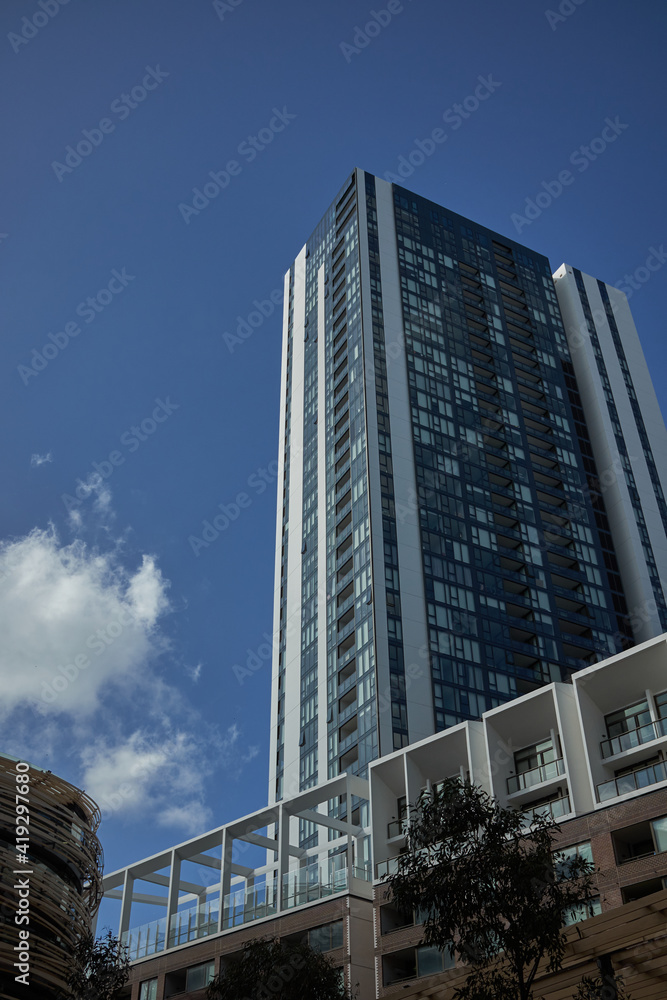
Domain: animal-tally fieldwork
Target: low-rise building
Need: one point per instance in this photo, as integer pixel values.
(592, 754)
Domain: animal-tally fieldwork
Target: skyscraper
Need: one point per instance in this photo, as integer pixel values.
(465, 509)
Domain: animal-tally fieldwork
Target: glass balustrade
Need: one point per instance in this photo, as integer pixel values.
(634, 738)
(640, 777)
(536, 775)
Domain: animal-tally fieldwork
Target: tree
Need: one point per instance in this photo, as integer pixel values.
(99, 969)
(603, 987)
(278, 969)
(490, 887)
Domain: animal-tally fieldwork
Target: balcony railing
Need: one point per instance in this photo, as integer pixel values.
(396, 828)
(388, 867)
(146, 939)
(193, 923)
(536, 775)
(307, 884)
(634, 738)
(250, 903)
(554, 808)
(348, 741)
(241, 906)
(640, 777)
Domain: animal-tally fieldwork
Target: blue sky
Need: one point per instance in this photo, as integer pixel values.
(123, 376)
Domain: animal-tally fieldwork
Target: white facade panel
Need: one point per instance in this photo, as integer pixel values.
(622, 522)
(292, 693)
(275, 693)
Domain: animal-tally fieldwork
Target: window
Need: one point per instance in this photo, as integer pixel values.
(659, 830)
(148, 990)
(582, 911)
(534, 756)
(535, 764)
(431, 960)
(641, 889)
(199, 976)
(398, 966)
(196, 977)
(327, 937)
(640, 840)
(627, 719)
(661, 705)
(565, 854)
(392, 919)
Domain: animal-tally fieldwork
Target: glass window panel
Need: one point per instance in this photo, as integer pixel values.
(661, 704)
(660, 833)
(199, 976)
(627, 719)
(429, 961)
(337, 934)
(582, 911)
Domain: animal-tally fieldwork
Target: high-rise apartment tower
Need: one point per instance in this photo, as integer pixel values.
(471, 483)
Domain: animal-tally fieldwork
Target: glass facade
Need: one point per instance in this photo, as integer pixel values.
(517, 589)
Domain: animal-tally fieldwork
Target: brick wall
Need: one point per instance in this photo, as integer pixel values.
(596, 827)
(355, 955)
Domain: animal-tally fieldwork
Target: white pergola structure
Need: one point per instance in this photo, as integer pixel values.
(206, 890)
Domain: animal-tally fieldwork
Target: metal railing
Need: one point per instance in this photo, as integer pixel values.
(554, 808)
(536, 775)
(640, 777)
(633, 738)
(388, 867)
(308, 884)
(396, 828)
(241, 906)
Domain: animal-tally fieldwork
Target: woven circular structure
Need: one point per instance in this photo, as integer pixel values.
(50, 870)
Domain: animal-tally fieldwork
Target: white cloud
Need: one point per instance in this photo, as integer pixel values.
(72, 622)
(194, 673)
(80, 637)
(36, 460)
(93, 486)
(161, 774)
(194, 817)
(144, 771)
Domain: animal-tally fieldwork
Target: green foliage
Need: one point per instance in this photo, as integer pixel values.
(99, 969)
(488, 882)
(278, 970)
(601, 988)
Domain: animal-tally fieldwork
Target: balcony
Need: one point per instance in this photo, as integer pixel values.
(535, 776)
(310, 884)
(346, 684)
(395, 829)
(345, 628)
(345, 579)
(186, 925)
(554, 808)
(345, 605)
(639, 777)
(145, 940)
(344, 556)
(346, 713)
(349, 740)
(388, 867)
(250, 903)
(633, 738)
